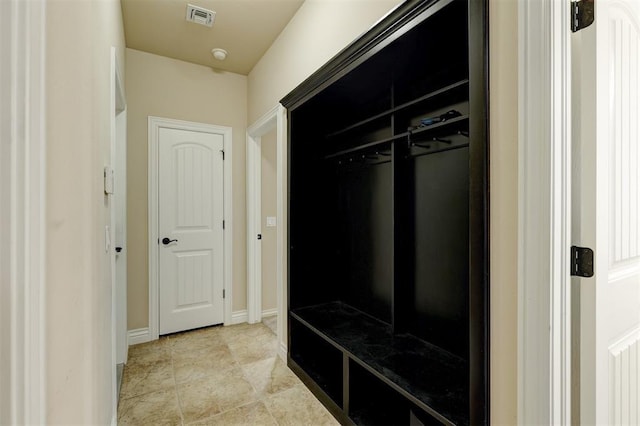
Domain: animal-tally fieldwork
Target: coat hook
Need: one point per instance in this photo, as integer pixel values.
(421, 146)
(441, 140)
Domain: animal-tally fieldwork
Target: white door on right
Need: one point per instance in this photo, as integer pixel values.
(606, 213)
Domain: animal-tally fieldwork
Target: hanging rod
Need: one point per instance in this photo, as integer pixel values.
(366, 146)
(435, 151)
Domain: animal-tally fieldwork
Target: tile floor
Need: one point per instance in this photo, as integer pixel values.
(271, 322)
(215, 376)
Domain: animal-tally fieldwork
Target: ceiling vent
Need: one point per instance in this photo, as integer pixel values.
(200, 15)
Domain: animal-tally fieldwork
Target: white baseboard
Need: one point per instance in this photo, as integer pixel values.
(139, 335)
(269, 312)
(238, 317)
(282, 351)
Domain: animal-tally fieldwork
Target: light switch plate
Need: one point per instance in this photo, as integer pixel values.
(271, 221)
(108, 180)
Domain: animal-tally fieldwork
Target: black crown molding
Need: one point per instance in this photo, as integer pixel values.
(386, 30)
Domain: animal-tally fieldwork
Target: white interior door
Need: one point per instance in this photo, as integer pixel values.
(606, 206)
(190, 218)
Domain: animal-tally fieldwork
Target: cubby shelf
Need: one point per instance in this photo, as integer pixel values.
(442, 91)
(451, 123)
(422, 132)
(427, 375)
(366, 146)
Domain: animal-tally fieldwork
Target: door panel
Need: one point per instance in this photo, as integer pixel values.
(607, 212)
(190, 212)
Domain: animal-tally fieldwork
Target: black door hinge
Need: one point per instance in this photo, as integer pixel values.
(581, 262)
(224, 294)
(582, 14)
(259, 236)
(223, 224)
(222, 151)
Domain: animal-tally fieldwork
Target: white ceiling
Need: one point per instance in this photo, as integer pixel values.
(245, 28)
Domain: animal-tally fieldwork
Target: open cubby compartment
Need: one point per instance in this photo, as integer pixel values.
(320, 360)
(353, 100)
(372, 402)
(364, 250)
(430, 377)
(312, 250)
(450, 96)
(433, 54)
(362, 133)
(438, 236)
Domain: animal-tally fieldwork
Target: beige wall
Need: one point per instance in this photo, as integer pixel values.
(319, 30)
(164, 87)
(79, 36)
(269, 208)
(503, 65)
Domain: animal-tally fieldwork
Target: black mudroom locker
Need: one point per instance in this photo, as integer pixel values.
(388, 213)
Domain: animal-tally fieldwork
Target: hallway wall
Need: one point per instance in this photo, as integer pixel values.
(169, 88)
(79, 37)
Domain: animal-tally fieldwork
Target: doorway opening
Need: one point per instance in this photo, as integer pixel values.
(266, 254)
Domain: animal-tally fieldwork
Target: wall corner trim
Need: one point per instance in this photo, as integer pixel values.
(139, 335)
(238, 317)
(544, 213)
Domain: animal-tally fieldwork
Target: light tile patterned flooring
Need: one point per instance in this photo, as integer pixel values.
(215, 376)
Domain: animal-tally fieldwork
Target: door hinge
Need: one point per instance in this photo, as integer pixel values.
(259, 236)
(223, 225)
(582, 14)
(222, 151)
(581, 262)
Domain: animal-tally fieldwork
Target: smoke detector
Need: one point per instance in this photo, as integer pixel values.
(219, 54)
(200, 15)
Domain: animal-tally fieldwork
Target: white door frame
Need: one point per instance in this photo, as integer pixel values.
(155, 124)
(274, 118)
(544, 210)
(23, 213)
(118, 106)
